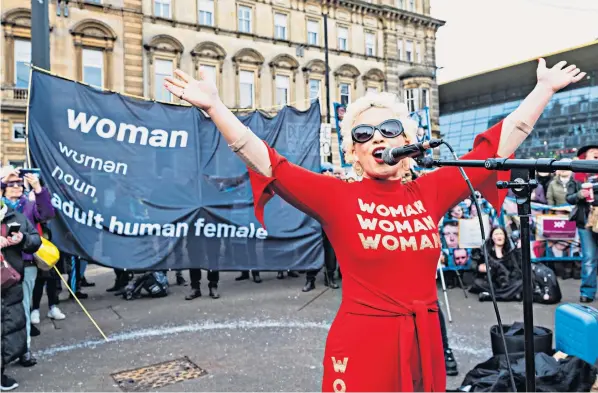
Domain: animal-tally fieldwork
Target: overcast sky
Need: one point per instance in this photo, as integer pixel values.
(483, 34)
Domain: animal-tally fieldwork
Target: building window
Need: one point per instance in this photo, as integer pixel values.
(18, 132)
(210, 72)
(343, 38)
(93, 67)
(313, 32)
(425, 98)
(409, 51)
(22, 60)
(162, 69)
(411, 99)
(400, 4)
(162, 8)
(418, 53)
(345, 90)
(400, 49)
(370, 44)
(244, 15)
(314, 89)
(246, 89)
(280, 26)
(283, 85)
(412, 5)
(206, 12)
(16, 164)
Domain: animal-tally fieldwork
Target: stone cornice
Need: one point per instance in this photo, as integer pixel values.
(384, 11)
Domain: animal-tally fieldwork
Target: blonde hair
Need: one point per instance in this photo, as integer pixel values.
(378, 100)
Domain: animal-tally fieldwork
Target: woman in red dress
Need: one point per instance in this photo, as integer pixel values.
(386, 334)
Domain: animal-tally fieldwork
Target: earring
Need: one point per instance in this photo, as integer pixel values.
(358, 168)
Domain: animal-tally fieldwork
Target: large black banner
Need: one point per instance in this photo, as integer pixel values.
(143, 185)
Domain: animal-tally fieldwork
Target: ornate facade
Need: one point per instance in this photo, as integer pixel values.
(262, 54)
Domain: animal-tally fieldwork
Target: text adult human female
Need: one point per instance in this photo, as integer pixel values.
(384, 232)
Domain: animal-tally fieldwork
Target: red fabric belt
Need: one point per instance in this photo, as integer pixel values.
(421, 312)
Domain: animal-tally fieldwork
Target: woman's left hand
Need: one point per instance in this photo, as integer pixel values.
(33, 182)
(559, 76)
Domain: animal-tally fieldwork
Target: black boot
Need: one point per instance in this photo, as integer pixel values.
(309, 285)
(195, 293)
(451, 363)
(180, 280)
(256, 278)
(280, 275)
(484, 297)
(330, 283)
(80, 295)
(34, 332)
(27, 360)
(293, 274)
(243, 276)
(214, 291)
(85, 283)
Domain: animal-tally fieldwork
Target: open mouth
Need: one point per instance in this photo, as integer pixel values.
(377, 153)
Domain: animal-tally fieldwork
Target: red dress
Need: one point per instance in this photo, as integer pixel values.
(386, 334)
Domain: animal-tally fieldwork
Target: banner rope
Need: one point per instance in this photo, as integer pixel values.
(265, 108)
(80, 304)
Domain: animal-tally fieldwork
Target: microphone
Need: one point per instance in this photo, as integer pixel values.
(392, 156)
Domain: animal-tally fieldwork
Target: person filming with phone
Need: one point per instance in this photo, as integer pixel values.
(18, 237)
(13, 184)
(582, 193)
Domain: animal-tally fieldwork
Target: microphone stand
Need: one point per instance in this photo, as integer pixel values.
(522, 188)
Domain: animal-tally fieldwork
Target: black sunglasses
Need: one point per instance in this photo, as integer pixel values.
(389, 129)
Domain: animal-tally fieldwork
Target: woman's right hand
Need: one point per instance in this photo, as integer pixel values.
(201, 92)
(4, 242)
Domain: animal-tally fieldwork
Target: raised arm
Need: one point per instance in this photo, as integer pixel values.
(268, 170)
(203, 94)
(499, 141)
(519, 124)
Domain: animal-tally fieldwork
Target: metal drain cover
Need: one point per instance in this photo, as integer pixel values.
(158, 375)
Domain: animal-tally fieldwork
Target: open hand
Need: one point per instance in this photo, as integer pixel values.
(559, 76)
(201, 92)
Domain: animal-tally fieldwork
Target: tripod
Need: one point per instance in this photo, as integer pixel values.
(522, 187)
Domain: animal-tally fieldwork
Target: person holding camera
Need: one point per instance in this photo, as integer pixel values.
(18, 237)
(36, 211)
(581, 193)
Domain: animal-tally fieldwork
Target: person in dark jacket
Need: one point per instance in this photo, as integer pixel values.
(14, 331)
(505, 262)
(578, 196)
(37, 209)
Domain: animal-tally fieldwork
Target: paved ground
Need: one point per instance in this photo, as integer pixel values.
(257, 337)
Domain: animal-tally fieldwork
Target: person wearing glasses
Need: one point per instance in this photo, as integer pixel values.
(386, 334)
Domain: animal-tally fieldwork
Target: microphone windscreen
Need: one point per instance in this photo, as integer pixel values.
(387, 157)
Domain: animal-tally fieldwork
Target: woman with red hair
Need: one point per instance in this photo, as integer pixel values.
(386, 335)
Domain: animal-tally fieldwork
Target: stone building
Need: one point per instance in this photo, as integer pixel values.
(263, 54)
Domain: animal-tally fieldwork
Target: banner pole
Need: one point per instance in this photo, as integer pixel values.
(27, 151)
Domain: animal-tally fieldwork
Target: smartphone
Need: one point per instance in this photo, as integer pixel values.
(35, 171)
(12, 228)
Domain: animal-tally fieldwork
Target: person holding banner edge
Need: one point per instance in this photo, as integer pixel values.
(377, 226)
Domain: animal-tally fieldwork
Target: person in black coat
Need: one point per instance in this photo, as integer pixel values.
(505, 262)
(14, 331)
